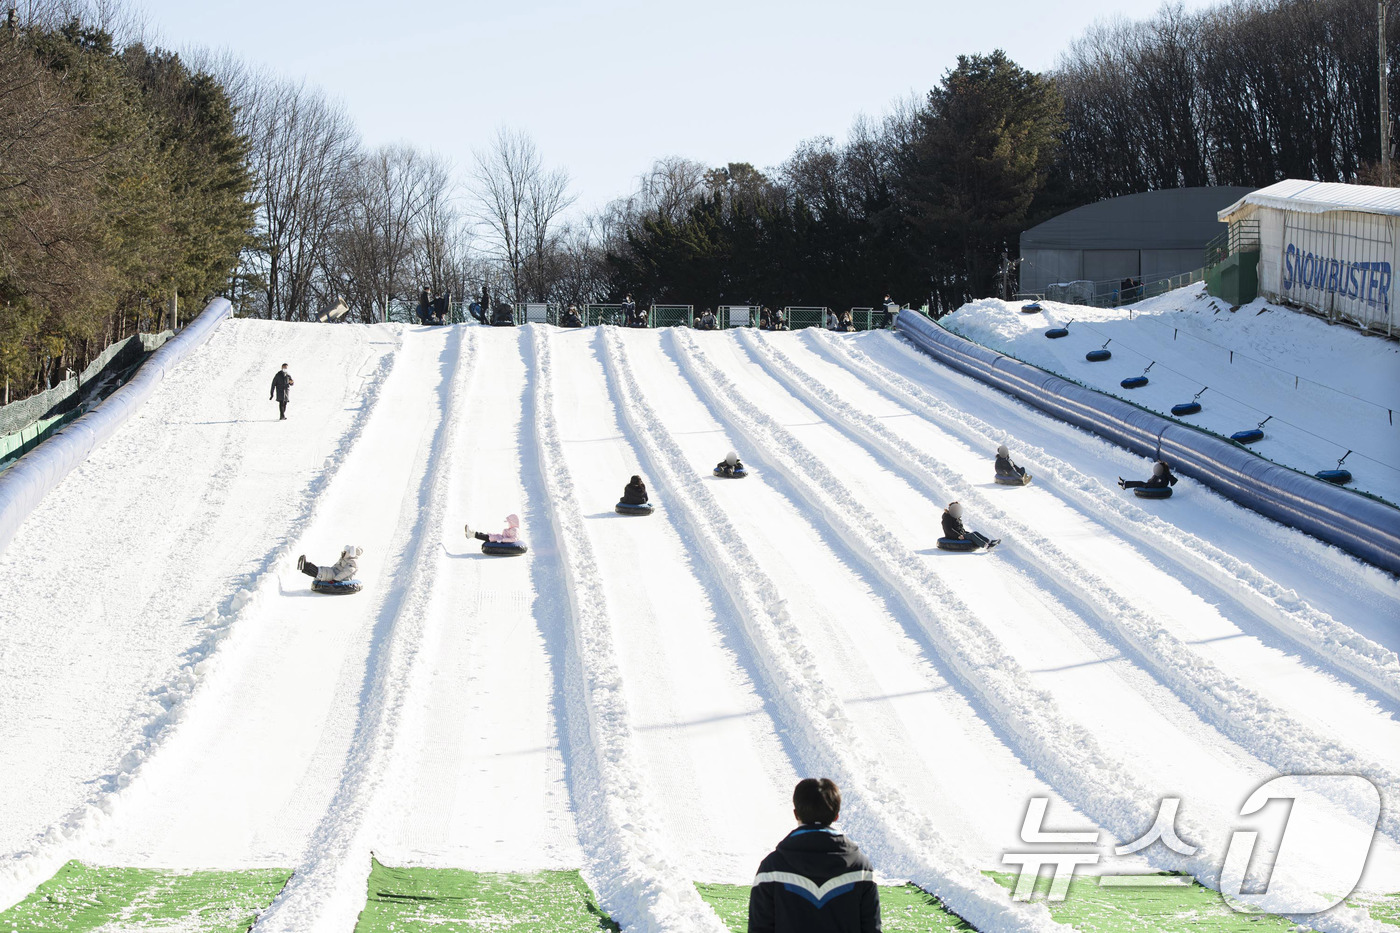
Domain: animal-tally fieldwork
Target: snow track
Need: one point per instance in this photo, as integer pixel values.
(636, 696)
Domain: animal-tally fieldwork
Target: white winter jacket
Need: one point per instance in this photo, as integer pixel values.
(343, 569)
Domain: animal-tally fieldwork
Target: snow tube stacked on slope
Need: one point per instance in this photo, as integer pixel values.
(24, 485)
(1362, 526)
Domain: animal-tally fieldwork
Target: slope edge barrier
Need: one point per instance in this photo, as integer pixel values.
(1362, 526)
(24, 485)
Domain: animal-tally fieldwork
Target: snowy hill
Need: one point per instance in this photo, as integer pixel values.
(637, 696)
(1329, 389)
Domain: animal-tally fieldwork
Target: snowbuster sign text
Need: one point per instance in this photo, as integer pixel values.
(1337, 279)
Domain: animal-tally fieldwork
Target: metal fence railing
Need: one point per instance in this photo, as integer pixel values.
(671, 316)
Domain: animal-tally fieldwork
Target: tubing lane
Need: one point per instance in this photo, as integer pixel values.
(1332, 643)
(905, 841)
(1253, 722)
(636, 881)
(326, 892)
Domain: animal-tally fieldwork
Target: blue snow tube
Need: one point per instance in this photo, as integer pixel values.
(503, 549)
(1134, 382)
(1098, 356)
(1032, 308)
(1186, 408)
(336, 588)
(1055, 333)
(1023, 480)
(957, 544)
(1248, 437)
(737, 474)
(1336, 477)
(626, 508)
(1153, 492)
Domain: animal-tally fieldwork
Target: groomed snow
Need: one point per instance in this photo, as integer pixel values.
(1345, 397)
(636, 696)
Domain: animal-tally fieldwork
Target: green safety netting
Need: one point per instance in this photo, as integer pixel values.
(402, 900)
(128, 900)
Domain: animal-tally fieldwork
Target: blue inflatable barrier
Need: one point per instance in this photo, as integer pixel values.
(502, 549)
(957, 544)
(1153, 492)
(1186, 408)
(336, 588)
(1023, 480)
(1032, 308)
(624, 508)
(1366, 527)
(1335, 477)
(737, 474)
(1055, 333)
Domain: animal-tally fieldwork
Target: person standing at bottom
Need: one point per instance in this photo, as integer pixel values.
(282, 390)
(816, 880)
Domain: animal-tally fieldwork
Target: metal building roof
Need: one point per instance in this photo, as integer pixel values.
(1172, 218)
(1317, 197)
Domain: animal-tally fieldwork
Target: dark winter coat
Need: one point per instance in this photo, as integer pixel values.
(1005, 467)
(1166, 479)
(953, 527)
(282, 386)
(815, 881)
(635, 494)
(724, 467)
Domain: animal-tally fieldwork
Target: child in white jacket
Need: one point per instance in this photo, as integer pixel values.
(342, 570)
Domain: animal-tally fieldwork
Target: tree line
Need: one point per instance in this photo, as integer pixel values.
(130, 176)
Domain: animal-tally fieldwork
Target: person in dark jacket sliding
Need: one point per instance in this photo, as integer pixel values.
(281, 390)
(954, 528)
(635, 492)
(1005, 465)
(816, 880)
(1161, 476)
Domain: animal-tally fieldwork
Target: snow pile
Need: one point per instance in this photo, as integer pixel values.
(1325, 389)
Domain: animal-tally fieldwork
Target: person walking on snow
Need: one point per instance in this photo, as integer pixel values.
(1005, 465)
(635, 492)
(1161, 477)
(281, 390)
(816, 880)
(509, 535)
(343, 569)
(954, 528)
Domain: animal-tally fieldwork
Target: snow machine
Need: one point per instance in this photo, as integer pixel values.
(1031, 308)
(957, 544)
(503, 548)
(626, 508)
(1153, 492)
(1055, 333)
(336, 588)
(737, 474)
(1023, 480)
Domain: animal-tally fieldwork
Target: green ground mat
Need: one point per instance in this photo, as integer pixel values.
(128, 900)
(1384, 908)
(903, 908)
(446, 900)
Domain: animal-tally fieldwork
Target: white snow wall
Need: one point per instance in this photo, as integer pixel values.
(24, 485)
(1362, 526)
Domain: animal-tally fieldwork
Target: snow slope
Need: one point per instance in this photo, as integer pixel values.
(636, 696)
(1329, 389)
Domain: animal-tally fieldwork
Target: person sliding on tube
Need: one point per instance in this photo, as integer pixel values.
(635, 492)
(954, 528)
(729, 465)
(509, 535)
(1161, 478)
(342, 570)
(1005, 465)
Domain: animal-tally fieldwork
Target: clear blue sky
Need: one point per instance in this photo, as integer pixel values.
(606, 87)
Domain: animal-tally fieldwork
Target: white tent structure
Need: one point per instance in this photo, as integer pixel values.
(1325, 247)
